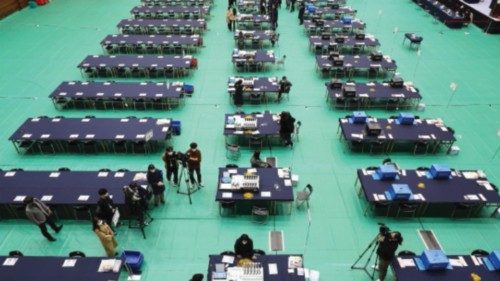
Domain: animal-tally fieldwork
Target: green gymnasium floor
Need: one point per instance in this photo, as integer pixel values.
(41, 47)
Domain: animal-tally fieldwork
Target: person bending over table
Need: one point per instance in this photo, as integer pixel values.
(40, 214)
(287, 126)
(388, 244)
(243, 247)
(256, 162)
(155, 179)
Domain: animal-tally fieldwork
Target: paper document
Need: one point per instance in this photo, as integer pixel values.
(140, 177)
(227, 195)
(102, 174)
(10, 261)
(288, 182)
(232, 171)
(119, 174)
(54, 175)
(406, 262)
(228, 259)
(46, 198)
(273, 269)
(225, 186)
(69, 263)
(265, 194)
(83, 197)
(19, 198)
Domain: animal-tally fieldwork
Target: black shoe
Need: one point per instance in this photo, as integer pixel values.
(59, 228)
(51, 239)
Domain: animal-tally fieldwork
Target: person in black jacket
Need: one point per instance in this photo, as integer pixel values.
(256, 162)
(105, 207)
(388, 244)
(155, 180)
(171, 165)
(287, 126)
(238, 94)
(302, 9)
(285, 87)
(243, 247)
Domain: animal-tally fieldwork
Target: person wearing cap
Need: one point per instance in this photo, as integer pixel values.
(171, 165)
(155, 180)
(243, 247)
(40, 214)
(105, 206)
(194, 161)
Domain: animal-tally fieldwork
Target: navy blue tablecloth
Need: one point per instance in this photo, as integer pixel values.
(170, 9)
(259, 56)
(259, 84)
(265, 124)
(323, 3)
(129, 39)
(98, 129)
(252, 18)
(269, 181)
(376, 90)
(139, 61)
(349, 41)
(416, 132)
(199, 23)
(356, 62)
(356, 24)
(455, 274)
(176, 2)
(449, 17)
(281, 262)
(108, 90)
(435, 191)
(65, 187)
(255, 34)
(50, 268)
(321, 11)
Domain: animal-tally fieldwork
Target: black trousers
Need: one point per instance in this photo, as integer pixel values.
(43, 227)
(191, 174)
(173, 171)
(231, 25)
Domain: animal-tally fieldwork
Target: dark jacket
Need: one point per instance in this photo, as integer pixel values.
(194, 159)
(170, 160)
(238, 95)
(287, 124)
(153, 180)
(245, 251)
(37, 211)
(106, 208)
(285, 86)
(387, 248)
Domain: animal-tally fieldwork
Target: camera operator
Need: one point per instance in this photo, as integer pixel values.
(388, 244)
(170, 159)
(136, 199)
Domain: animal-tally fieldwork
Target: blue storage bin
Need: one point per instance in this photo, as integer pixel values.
(387, 172)
(440, 171)
(359, 117)
(346, 20)
(406, 118)
(175, 126)
(434, 259)
(310, 8)
(188, 89)
(399, 192)
(133, 259)
(494, 258)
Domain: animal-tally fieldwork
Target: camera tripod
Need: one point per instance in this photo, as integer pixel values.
(190, 188)
(143, 219)
(371, 248)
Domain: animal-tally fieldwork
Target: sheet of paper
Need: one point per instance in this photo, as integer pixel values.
(252, 170)
(227, 195)
(474, 260)
(482, 196)
(10, 261)
(10, 174)
(19, 198)
(46, 198)
(140, 177)
(69, 263)
(232, 171)
(119, 174)
(54, 175)
(83, 197)
(265, 194)
(471, 197)
(228, 259)
(273, 269)
(225, 186)
(102, 174)
(288, 182)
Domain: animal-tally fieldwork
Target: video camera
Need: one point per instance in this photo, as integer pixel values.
(384, 229)
(182, 158)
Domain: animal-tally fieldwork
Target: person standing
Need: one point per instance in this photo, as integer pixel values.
(106, 235)
(292, 6)
(40, 214)
(287, 126)
(302, 9)
(194, 161)
(231, 18)
(155, 180)
(388, 244)
(105, 207)
(243, 247)
(171, 165)
(238, 95)
(285, 86)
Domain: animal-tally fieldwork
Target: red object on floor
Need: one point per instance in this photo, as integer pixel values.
(42, 2)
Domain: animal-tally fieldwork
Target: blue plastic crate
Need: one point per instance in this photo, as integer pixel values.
(494, 258)
(346, 20)
(440, 171)
(359, 117)
(133, 259)
(387, 172)
(434, 259)
(188, 89)
(310, 8)
(399, 192)
(175, 126)
(406, 118)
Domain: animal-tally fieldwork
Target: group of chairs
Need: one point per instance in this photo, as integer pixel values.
(176, 2)
(160, 49)
(169, 15)
(167, 71)
(373, 71)
(116, 103)
(161, 30)
(318, 30)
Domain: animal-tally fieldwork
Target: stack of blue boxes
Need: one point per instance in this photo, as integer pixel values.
(387, 172)
(406, 118)
(399, 192)
(440, 171)
(434, 259)
(359, 117)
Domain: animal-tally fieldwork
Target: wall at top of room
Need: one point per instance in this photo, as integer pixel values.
(8, 7)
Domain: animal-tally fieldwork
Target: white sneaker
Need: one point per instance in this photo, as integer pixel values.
(200, 184)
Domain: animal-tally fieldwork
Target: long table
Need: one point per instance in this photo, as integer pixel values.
(474, 265)
(452, 19)
(136, 65)
(429, 131)
(252, 60)
(281, 262)
(117, 95)
(321, 46)
(252, 21)
(63, 189)
(162, 26)
(255, 38)
(170, 12)
(322, 3)
(354, 65)
(248, 6)
(326, 12)
(333, 26)
(51, 268)
(176, 2)
(255, 86)
(267, 127)
(104, 133)
(373, 94)
(457, 189)
(163, 44)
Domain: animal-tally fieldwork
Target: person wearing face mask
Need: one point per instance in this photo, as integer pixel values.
(194, 161)
(171, 165)
(105, 206)
(243, 247)
(155, 180)
(106, 235)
